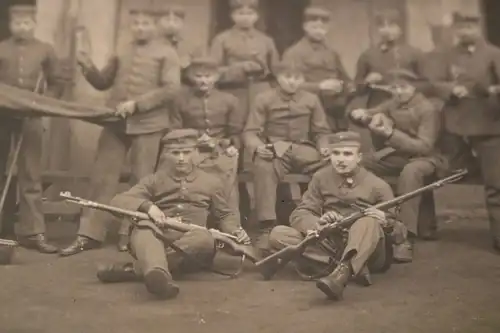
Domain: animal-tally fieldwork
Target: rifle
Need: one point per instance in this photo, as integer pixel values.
(271, 264)
(222, 240)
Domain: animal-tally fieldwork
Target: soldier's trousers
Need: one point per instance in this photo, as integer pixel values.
(412, 176)
(112, 149)
(365, 244)
(487, 149)
(151, 253)
(29, 173)
(267, 175)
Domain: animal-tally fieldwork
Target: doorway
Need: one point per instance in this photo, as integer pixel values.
(280, 19)
(491, 11)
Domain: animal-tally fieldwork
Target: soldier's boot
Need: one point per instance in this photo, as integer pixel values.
(364, 278)
(81, 243)
(333, 285)
(159, 283)
(123, 243)
(262, 237)
(116, 273)
(403, 253)
(39, 243)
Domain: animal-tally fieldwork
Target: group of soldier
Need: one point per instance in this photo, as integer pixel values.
(188, 117)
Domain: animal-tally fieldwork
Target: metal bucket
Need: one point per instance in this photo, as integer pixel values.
(7, 249)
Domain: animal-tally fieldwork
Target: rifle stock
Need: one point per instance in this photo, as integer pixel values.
(223, 240)
(271, 264)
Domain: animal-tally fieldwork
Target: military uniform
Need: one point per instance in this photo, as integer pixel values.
(329, 191)
(148, 74)
(472, 122)
(217, 115)
(295, 125)
(190, 197)
(320, 62)
(410, 150)
(25, 64)
(233, 47)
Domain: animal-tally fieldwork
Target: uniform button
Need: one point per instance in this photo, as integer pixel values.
(179, 206)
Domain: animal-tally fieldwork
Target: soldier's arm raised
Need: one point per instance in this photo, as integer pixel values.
(101, 79)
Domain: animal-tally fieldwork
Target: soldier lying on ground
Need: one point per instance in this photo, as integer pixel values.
(409, 126)
(329, 197)
(218, 118)
(178, 190)
(285, 132)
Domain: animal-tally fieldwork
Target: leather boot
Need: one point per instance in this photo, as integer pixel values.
(37, 242)
(403, 253)
(262, 238)
(159, 283)
(80, 244)
(364, 278)
(117, 273)
(123, 243)
(333, 285)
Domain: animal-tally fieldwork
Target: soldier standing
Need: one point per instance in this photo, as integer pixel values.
(409, 125)
(322, 67)
(284, 132)
(187, 193)
(26, 62)
(216, 115)
(246, 55)
(467, 79)
(328, 198)
(142, 81)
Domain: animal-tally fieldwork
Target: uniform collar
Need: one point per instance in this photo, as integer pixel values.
(387, 46)
(22, 41)
(187, 177)
(174, 40)
(287, 97)
(247, 33)
(352, 181)
(314, 44)
(469, 48)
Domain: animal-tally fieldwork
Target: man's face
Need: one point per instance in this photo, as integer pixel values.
(389, 31)
(205, 80)
(467, 32)
(345, 160)
(23, 26)
(180, 158)
(316, 30)
(143, 27)
(403, 91)
(244, 17)
(170, 25)
(290, 82)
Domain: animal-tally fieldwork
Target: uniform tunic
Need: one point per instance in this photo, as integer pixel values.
(21, 63)
(319, 62)
(296, 126)
(329, 191)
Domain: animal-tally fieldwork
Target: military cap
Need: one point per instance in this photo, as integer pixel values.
(459, 18)
(142, 9)
(344, 139)
(175, 10)
(204, 63)
(316, 13)
(401, 75)
(22, 10)
(180, 138)
(288, 67)
(388, 16)
(235, 4)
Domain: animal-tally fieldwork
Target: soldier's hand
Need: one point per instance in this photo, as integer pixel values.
(376, 214)
(360, 115)
(330, 217)
(157, 215)
(242, 236)
(381, 125)
(494, 90)
(83, 59)
(374, 78)
(125, 109)
(332, 85)
(460, 91)
(264, 153)
(252, 67)
(231, 151)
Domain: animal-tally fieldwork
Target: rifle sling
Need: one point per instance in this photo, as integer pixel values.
(186, 255)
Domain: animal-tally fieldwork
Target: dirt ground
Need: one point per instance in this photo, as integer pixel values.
(453, 286)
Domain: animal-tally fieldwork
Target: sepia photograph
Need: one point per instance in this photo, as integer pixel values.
(244, 166)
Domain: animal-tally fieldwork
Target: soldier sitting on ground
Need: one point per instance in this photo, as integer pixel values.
(177, 190)
(285, 132)
(409, 125)
(330, 196)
